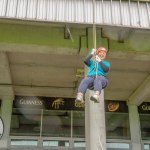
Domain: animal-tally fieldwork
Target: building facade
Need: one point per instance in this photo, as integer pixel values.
(42, 47)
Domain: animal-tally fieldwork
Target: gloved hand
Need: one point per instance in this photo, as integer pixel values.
(97, 58)
(93, 51)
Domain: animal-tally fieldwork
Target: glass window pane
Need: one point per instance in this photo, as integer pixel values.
(56, 143)
(18, 142)
(25, 122)
(145, 126)
(56, 123)
(79, 124)
(146, 146)
(79, 144)
(117, 125)
(118, 146)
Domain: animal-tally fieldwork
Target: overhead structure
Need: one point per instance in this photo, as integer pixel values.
(142, 92)
(135, 14)
(5, 77)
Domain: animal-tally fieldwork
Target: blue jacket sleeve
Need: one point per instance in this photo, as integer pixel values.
(87, 60)
(104, 67)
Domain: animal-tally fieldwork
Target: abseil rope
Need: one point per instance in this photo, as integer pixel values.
(94, 35)
(94, 43)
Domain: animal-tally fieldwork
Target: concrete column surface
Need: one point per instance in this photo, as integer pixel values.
(95, 123)
(135, 127)
(6, 111)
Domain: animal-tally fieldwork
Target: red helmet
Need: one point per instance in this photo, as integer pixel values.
(101, 49)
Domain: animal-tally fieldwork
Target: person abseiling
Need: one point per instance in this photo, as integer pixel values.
(97, 75)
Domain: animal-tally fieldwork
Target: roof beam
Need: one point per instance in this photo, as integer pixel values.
(32, 48)
(141, 94)
(5, 76)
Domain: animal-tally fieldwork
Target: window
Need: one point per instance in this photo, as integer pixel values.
(79, 144)
(144, 114)
(18, 142)
(47, 117)
(56, 123)
(55, 143)
(145, 126)
(117, 120)
(118, 146)
(47, 123)
(25, 122)
(117, 126)
(79, 124)
(146, 146)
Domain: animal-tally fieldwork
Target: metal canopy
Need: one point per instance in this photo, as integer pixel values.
(134, 14)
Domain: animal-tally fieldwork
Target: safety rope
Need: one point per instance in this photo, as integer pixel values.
(94, 26)
(94, 35)
(94, 43)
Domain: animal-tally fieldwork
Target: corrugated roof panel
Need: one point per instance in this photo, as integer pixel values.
(32, 9)
(21, 9)
(126, 13)
(107, 12)
(11, 8)
(116, 13)
(3, 5)
(143, 17)
(60, 15)
(79, 11)
(148, 12)
(69, 11)
(57, 9)
(99, 13)
(41, 9)
(89, 13)
(125, 9)
(51, 6)
(135, 21)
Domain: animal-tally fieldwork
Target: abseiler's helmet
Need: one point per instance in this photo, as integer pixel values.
(101, 49)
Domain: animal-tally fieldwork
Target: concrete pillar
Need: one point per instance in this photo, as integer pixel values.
(6, 111)
(95, 123)
(135, 127)
(94, 112)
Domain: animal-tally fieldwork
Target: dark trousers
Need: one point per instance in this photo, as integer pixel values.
(98, 83)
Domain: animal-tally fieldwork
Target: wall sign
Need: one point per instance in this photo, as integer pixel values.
(144, 108)
(1, 127)
(49, 103)
(116, 106)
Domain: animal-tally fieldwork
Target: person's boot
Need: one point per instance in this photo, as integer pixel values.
(95, 98)
(79, 98)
